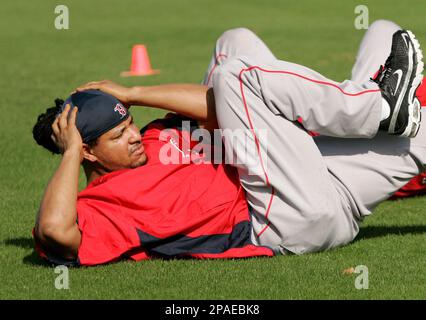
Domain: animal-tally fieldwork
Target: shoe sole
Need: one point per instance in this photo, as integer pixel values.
(414, 108)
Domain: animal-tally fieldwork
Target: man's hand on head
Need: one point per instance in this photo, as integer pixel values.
(65, 132)
(56, 223)
(120, 92)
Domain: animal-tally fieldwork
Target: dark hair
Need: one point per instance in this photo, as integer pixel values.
(42, 130)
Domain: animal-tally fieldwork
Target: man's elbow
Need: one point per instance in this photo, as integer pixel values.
(46, 232)
(58, 240)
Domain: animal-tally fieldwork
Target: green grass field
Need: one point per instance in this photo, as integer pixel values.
(39, 63)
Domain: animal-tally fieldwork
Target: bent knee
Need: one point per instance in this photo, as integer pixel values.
(236, 34)
(384, 26)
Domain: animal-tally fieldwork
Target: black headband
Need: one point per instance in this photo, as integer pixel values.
(98, 112)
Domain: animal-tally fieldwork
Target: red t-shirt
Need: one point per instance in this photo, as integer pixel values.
(168, 210)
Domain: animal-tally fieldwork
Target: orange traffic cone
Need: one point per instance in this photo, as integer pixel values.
(140, 63)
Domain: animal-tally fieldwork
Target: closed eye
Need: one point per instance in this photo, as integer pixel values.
(120, 133)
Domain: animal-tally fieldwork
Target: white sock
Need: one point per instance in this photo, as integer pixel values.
(385, 110)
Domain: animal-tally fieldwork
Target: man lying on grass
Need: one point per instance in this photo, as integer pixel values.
(159, 192)
(134, 205)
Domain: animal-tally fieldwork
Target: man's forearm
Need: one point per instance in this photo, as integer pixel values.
(56, 223)
(191, 100)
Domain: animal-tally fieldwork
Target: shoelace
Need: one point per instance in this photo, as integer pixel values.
(384, 72)
(378, 77)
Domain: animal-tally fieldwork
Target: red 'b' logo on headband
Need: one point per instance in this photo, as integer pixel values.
(120, 109)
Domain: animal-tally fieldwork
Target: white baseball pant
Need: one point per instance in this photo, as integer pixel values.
(308, 194)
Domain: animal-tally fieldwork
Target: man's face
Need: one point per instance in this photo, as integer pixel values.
(120, 148)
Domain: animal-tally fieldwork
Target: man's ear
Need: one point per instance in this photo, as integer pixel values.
(88, 153)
